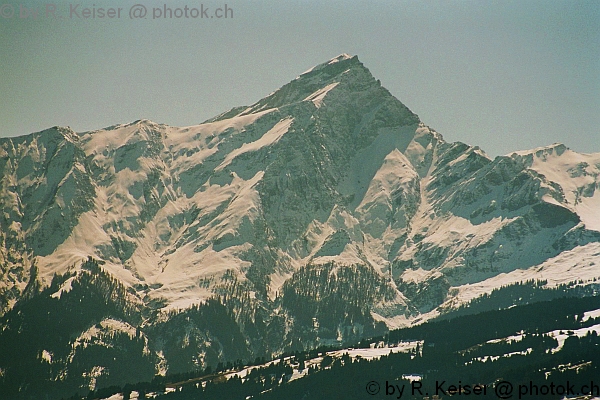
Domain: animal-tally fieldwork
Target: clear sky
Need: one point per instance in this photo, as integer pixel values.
(503, 75)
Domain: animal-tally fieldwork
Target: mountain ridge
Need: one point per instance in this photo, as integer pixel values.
(148, 141)
(325, 211)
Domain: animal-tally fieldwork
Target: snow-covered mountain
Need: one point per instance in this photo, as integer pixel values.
(321, 211)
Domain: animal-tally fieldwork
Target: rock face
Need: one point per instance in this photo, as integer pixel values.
(321, 213)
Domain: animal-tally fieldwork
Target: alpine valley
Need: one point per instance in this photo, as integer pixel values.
(324, 214)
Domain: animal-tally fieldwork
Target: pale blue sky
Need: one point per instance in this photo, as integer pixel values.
(503, 75)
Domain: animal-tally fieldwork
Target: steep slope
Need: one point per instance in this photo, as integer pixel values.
(45, 189)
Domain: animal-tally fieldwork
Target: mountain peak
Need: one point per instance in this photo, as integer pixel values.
(57, 133)
(343, 56)
(341, 73)
(335, 67)
(334, 60)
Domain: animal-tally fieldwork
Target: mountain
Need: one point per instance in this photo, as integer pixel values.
(324, 213)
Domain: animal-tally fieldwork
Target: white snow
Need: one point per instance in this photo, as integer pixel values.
(507, 355)
(318, 96)
(567, 267)
(590, 314)
(343, 56)
(376, 352)
(268, 139)
(578, 174)
(65, 288)
(47, 356)
(334, 60)
(96, 333)
(560, 335)
(117, 396)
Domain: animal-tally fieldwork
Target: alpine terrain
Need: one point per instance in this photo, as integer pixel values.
(323, 214)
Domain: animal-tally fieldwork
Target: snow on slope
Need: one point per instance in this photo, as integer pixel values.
(376, 351)
(272, 136)
(179, 269)
(161, 253)
(334, 60)
(318, 96)
(590, 314)
(561, 335)
(580, 264)
(577, 174)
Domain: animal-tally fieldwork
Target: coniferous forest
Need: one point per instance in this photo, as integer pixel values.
(548, 349)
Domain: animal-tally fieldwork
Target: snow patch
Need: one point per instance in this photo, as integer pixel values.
(268, 139)
(561, 335)
(334, 60)
(318, 96)
(590, 314)
(65, 288)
